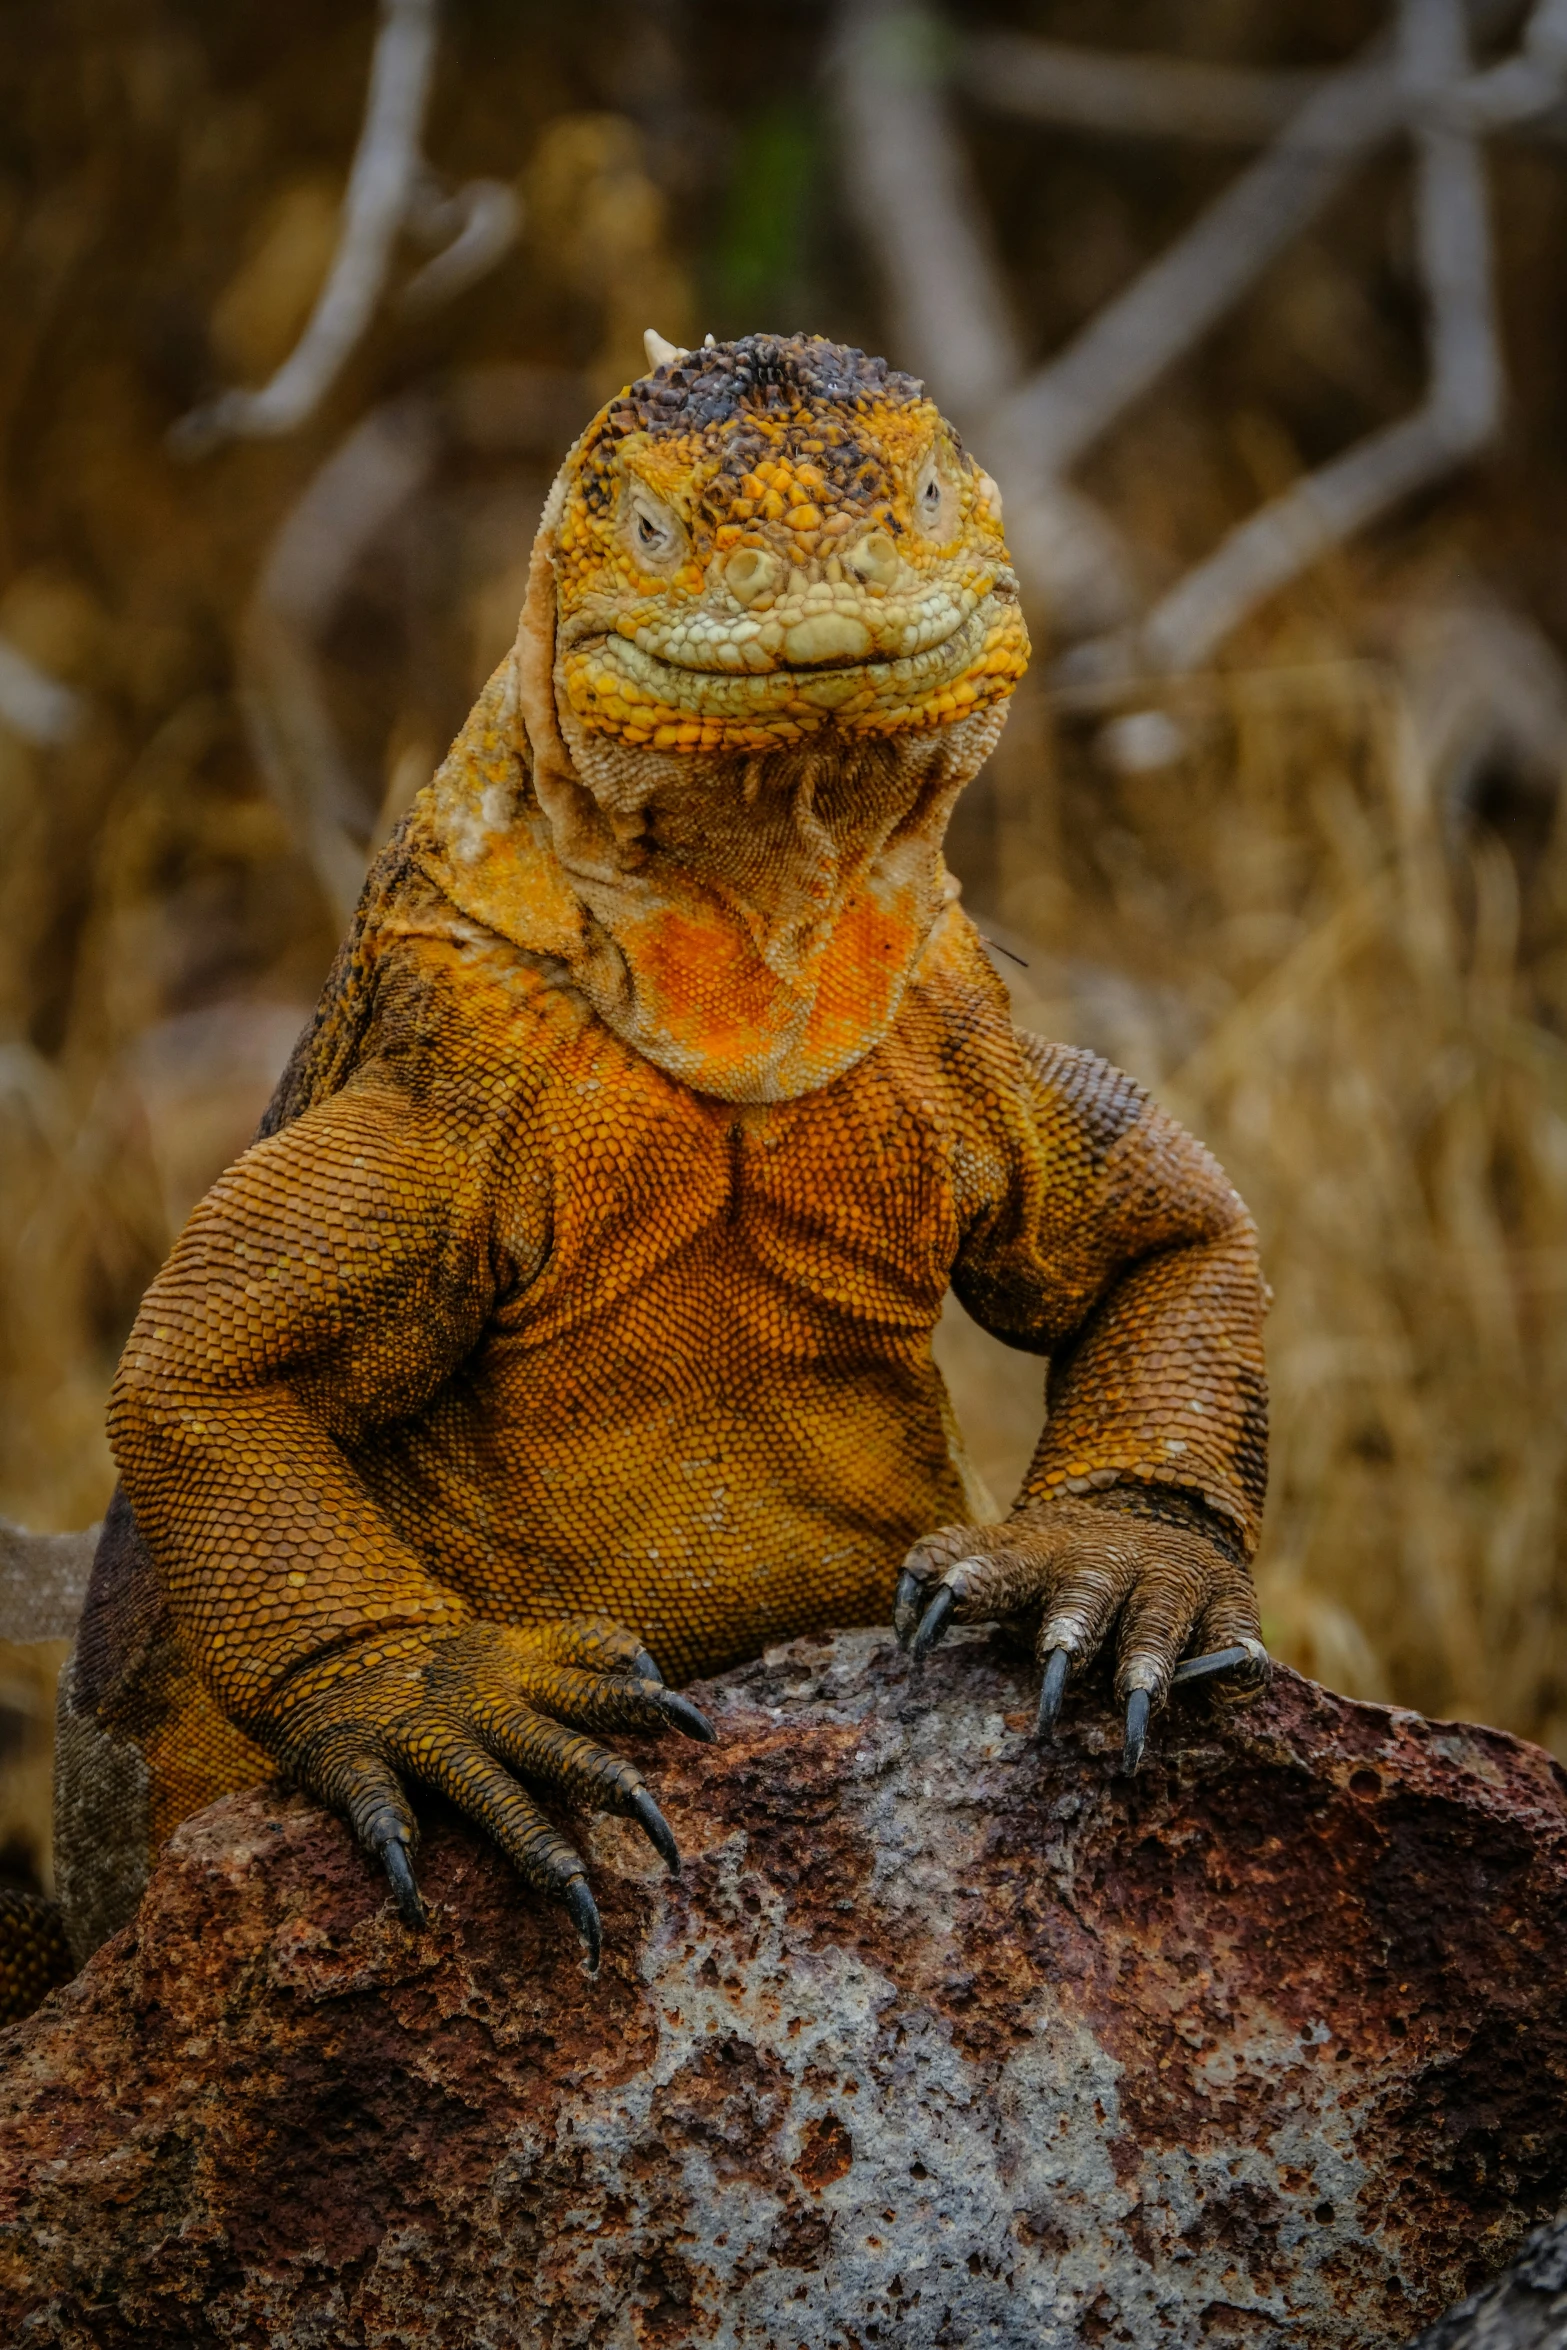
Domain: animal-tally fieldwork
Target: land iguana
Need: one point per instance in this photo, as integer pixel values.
(573, 1307)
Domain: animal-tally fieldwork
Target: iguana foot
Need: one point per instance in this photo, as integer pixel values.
(1144, 1563)
(472, 1716)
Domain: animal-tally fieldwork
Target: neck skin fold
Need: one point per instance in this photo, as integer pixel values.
(748, 923)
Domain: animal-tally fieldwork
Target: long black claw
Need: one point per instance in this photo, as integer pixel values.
(1052, 1690)
(906, 1607)
(1136, 1730)
(933, 1623)
(683, 1715)
(585, 1917)
(1219, 1660)
(656, 1828)
(405, 1886)
(643, 1667)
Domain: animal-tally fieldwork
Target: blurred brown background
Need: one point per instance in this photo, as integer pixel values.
(1276, 823)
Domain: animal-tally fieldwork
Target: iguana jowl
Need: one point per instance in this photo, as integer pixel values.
(574, 1307)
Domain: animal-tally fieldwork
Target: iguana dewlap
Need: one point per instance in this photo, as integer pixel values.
(575, 1306)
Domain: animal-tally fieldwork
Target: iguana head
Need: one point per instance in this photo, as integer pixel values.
(764, 536)
(769, 635)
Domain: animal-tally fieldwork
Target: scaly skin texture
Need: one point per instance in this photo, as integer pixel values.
(577, 1300)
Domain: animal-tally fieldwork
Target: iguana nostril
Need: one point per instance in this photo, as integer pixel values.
(750, 572)
(874, 559)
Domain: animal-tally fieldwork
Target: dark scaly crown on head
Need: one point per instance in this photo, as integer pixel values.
(820, 399)
(770, 374)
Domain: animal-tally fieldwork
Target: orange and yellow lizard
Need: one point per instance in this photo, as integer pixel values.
(574, 1306)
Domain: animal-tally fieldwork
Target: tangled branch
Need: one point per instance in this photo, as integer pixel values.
(390, 187)
(939, 261)
(1461, 411)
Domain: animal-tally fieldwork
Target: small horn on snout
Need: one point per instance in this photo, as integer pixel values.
(659, 352)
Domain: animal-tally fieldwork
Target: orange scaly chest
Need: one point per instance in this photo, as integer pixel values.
(822, 1225)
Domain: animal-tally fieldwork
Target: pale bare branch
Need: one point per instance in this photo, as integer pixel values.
(381, 465)
(1461, 412)
(909, 182)
(1051, 420)
(1426, 88)
(1525, 84)
(1130, 96)
(381, 186)
(1138, 96)
(475, 228)
(33, 704)
(357, 495)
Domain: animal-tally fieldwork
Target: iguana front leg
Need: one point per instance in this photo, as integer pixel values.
(324, 1290)
(1116, 1244)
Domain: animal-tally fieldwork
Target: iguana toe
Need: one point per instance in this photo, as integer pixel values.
(1136, 1739)
(906, 1607)
(405, 1886)
(1222, 1660)
(579, 1900)
(1058, 1664)
(933, 1623)
(1151, 1571)
(682, 1715)
(656, 1828)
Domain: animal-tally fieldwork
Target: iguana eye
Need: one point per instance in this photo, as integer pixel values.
(935, 501)
(655, 531)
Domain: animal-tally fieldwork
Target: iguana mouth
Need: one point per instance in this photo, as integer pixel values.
(825, 627)
(620, 687)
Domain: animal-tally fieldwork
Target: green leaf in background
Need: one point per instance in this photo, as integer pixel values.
(761, 264)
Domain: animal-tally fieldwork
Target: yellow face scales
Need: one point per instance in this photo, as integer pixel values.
(765, 536)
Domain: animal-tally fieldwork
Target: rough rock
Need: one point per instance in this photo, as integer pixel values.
(940, 2038)
(1525, 2308)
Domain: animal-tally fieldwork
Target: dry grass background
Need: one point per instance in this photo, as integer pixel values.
(1317, 899)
